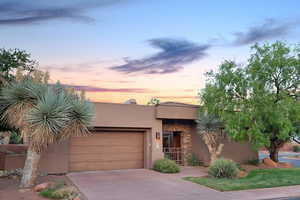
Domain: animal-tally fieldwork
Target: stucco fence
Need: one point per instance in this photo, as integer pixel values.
(12, 156)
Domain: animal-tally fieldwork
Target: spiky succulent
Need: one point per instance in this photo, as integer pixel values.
(47, 114)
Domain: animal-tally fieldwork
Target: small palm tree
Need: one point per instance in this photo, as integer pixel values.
(45, 114)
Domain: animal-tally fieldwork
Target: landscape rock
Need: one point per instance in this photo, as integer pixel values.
(43, 186)
(270, 163)
(242, 174)
(24, 190)
(285, 165)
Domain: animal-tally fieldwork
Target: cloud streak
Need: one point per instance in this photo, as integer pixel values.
(16, 13)
(270, 29)
(102, 89)
(174, 53)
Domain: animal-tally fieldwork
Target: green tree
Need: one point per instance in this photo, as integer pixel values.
(45, 114)
(12, 59)
(153, 101)
(258, 102)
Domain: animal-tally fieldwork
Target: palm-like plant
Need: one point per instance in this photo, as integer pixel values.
(45, 114)
(210, 128)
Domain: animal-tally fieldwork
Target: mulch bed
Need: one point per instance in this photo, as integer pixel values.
(9, 188)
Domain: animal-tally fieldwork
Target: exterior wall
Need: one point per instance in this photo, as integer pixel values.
(239, 152)
(124, 115)
(56, 159)
(176, 112)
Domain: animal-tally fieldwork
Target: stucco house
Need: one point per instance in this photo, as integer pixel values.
(129, 136)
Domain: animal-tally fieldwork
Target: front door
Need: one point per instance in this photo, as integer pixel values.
(172, 146)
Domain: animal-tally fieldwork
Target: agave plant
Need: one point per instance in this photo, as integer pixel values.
(45, 114)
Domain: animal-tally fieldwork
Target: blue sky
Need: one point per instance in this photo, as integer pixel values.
(142, 48)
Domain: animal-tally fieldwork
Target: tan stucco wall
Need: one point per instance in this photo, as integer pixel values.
(239, 152)
(56, 158)
(176, 112)
(124, 115)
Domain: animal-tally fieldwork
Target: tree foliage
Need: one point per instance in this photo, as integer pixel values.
(12, 59)
(258, 101)
(153, 101)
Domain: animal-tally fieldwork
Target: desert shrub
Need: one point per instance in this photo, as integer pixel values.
(253, 162)
(50, 193)
(15, 138)
(166, 166)
(193, 160)
(296, 148)
(59, 191)
(223, 168)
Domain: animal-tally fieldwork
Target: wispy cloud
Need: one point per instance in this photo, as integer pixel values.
(19, 13)
(173, 55)
(270, 29)
(102, 89)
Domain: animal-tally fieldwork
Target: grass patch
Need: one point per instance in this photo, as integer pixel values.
(260, 178)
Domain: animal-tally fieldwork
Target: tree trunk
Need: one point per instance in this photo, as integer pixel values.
(30, 171)
(25, 137)
(274, 153)
(274, 149)
(213, 158)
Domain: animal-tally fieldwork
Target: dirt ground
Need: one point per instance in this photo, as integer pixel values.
(9, 188)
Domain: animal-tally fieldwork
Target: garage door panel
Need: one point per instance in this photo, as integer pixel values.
(93, 166)
(104, 149)
(110, 139)
(107, 151)
(104, 157)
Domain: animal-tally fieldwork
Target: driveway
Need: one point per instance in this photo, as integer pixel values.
(143, 184)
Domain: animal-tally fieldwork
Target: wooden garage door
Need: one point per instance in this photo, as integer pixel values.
(107, 151)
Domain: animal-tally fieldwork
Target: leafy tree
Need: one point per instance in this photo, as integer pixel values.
(12, 59)
(153, 101)
(45, 114)
(259, 101)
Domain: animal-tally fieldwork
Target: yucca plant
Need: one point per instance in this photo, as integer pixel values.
(45, 114)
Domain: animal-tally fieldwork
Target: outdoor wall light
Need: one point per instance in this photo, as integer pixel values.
(158, 135)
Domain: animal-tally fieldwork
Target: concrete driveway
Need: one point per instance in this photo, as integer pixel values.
(143, 184)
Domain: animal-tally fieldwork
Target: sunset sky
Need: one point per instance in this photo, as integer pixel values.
(117, 50)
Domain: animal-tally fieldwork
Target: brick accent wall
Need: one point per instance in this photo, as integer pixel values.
(185, 128)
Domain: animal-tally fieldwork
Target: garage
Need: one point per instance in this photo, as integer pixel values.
(107, 151)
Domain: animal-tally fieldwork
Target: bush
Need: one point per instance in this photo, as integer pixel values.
(193, 160)
(223, 168)
(59, 191)
(296, 148)
(15, 138)
(166, 166)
